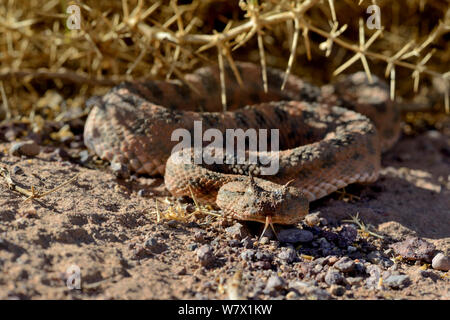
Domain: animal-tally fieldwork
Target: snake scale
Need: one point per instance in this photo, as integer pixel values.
(329, 137)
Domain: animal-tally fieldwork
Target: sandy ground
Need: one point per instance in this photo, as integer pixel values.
(108, 229)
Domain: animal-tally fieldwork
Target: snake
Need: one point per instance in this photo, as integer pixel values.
(328, 137)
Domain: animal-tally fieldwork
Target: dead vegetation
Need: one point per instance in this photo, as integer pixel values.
(134, 39)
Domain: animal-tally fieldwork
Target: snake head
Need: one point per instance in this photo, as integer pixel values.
(256, 199)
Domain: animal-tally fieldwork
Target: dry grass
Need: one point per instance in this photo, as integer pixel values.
(136, 39)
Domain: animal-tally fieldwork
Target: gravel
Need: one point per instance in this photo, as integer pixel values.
(120, 170)
(295, 235)
(397, 281)
(275, 283)
(205, 255)
(287, 255)
(345, 264)
(154, 246)
(375, 274)
(337, 290)
(441, 262)
(24, 148)
(415, 249)
(333, 277)
(248, 255)
(238, 231)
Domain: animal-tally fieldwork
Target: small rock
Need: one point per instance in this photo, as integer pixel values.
(205, 256)
(181, 271)
(351, 249)
(120, 170)
(192, 246)
(309, 290)
(275, 283)
(333, 277)
(415, 249)
(264, 240)
(172, 223)
(354, 280)
(345, 264)
(234, 243)
(263, 256)
(248, 255)
(84, 156)
(199, 236)
(295, 235)
(265, 265)
(312, 219)
(347, 235)
(247, 243)
(154, 246)
(332, 260)
(374, 257)
(441, 262)
(24, 148)
(397, 281)
(16, 170)
(289, 255)
(238, 231)
(375, 274)
(292, 295)
(337, 290)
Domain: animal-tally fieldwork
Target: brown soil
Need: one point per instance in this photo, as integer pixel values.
(101, 224)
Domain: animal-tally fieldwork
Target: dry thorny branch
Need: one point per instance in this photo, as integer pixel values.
(124, 42)
(31, 193)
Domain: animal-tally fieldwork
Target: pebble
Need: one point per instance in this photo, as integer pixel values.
(292, 295)
(205, 256)
(16, 170)
(24, 148)
(375, 274)
(295, 235)
(415, 248)
(345, 264)
(84, 156)
(181, 271)
(337, 290)
(354, 280)
(248, 255)
(264, 240)
(263, 256)
(275, 283)
(441, 262)
(192, 246)
(238, 231)
(234, 243)
(265, 265)
(397, 281)
(120, 170)
(310, 290)
(332, 260)
(288, 255)
(333, 277)
(154, 246)
(347, 235)
(312, 219)
(247, 243)
(199, 236)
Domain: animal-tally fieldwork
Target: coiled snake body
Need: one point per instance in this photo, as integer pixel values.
(329, 137)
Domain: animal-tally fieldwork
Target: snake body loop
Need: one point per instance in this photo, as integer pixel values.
(329, 137)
